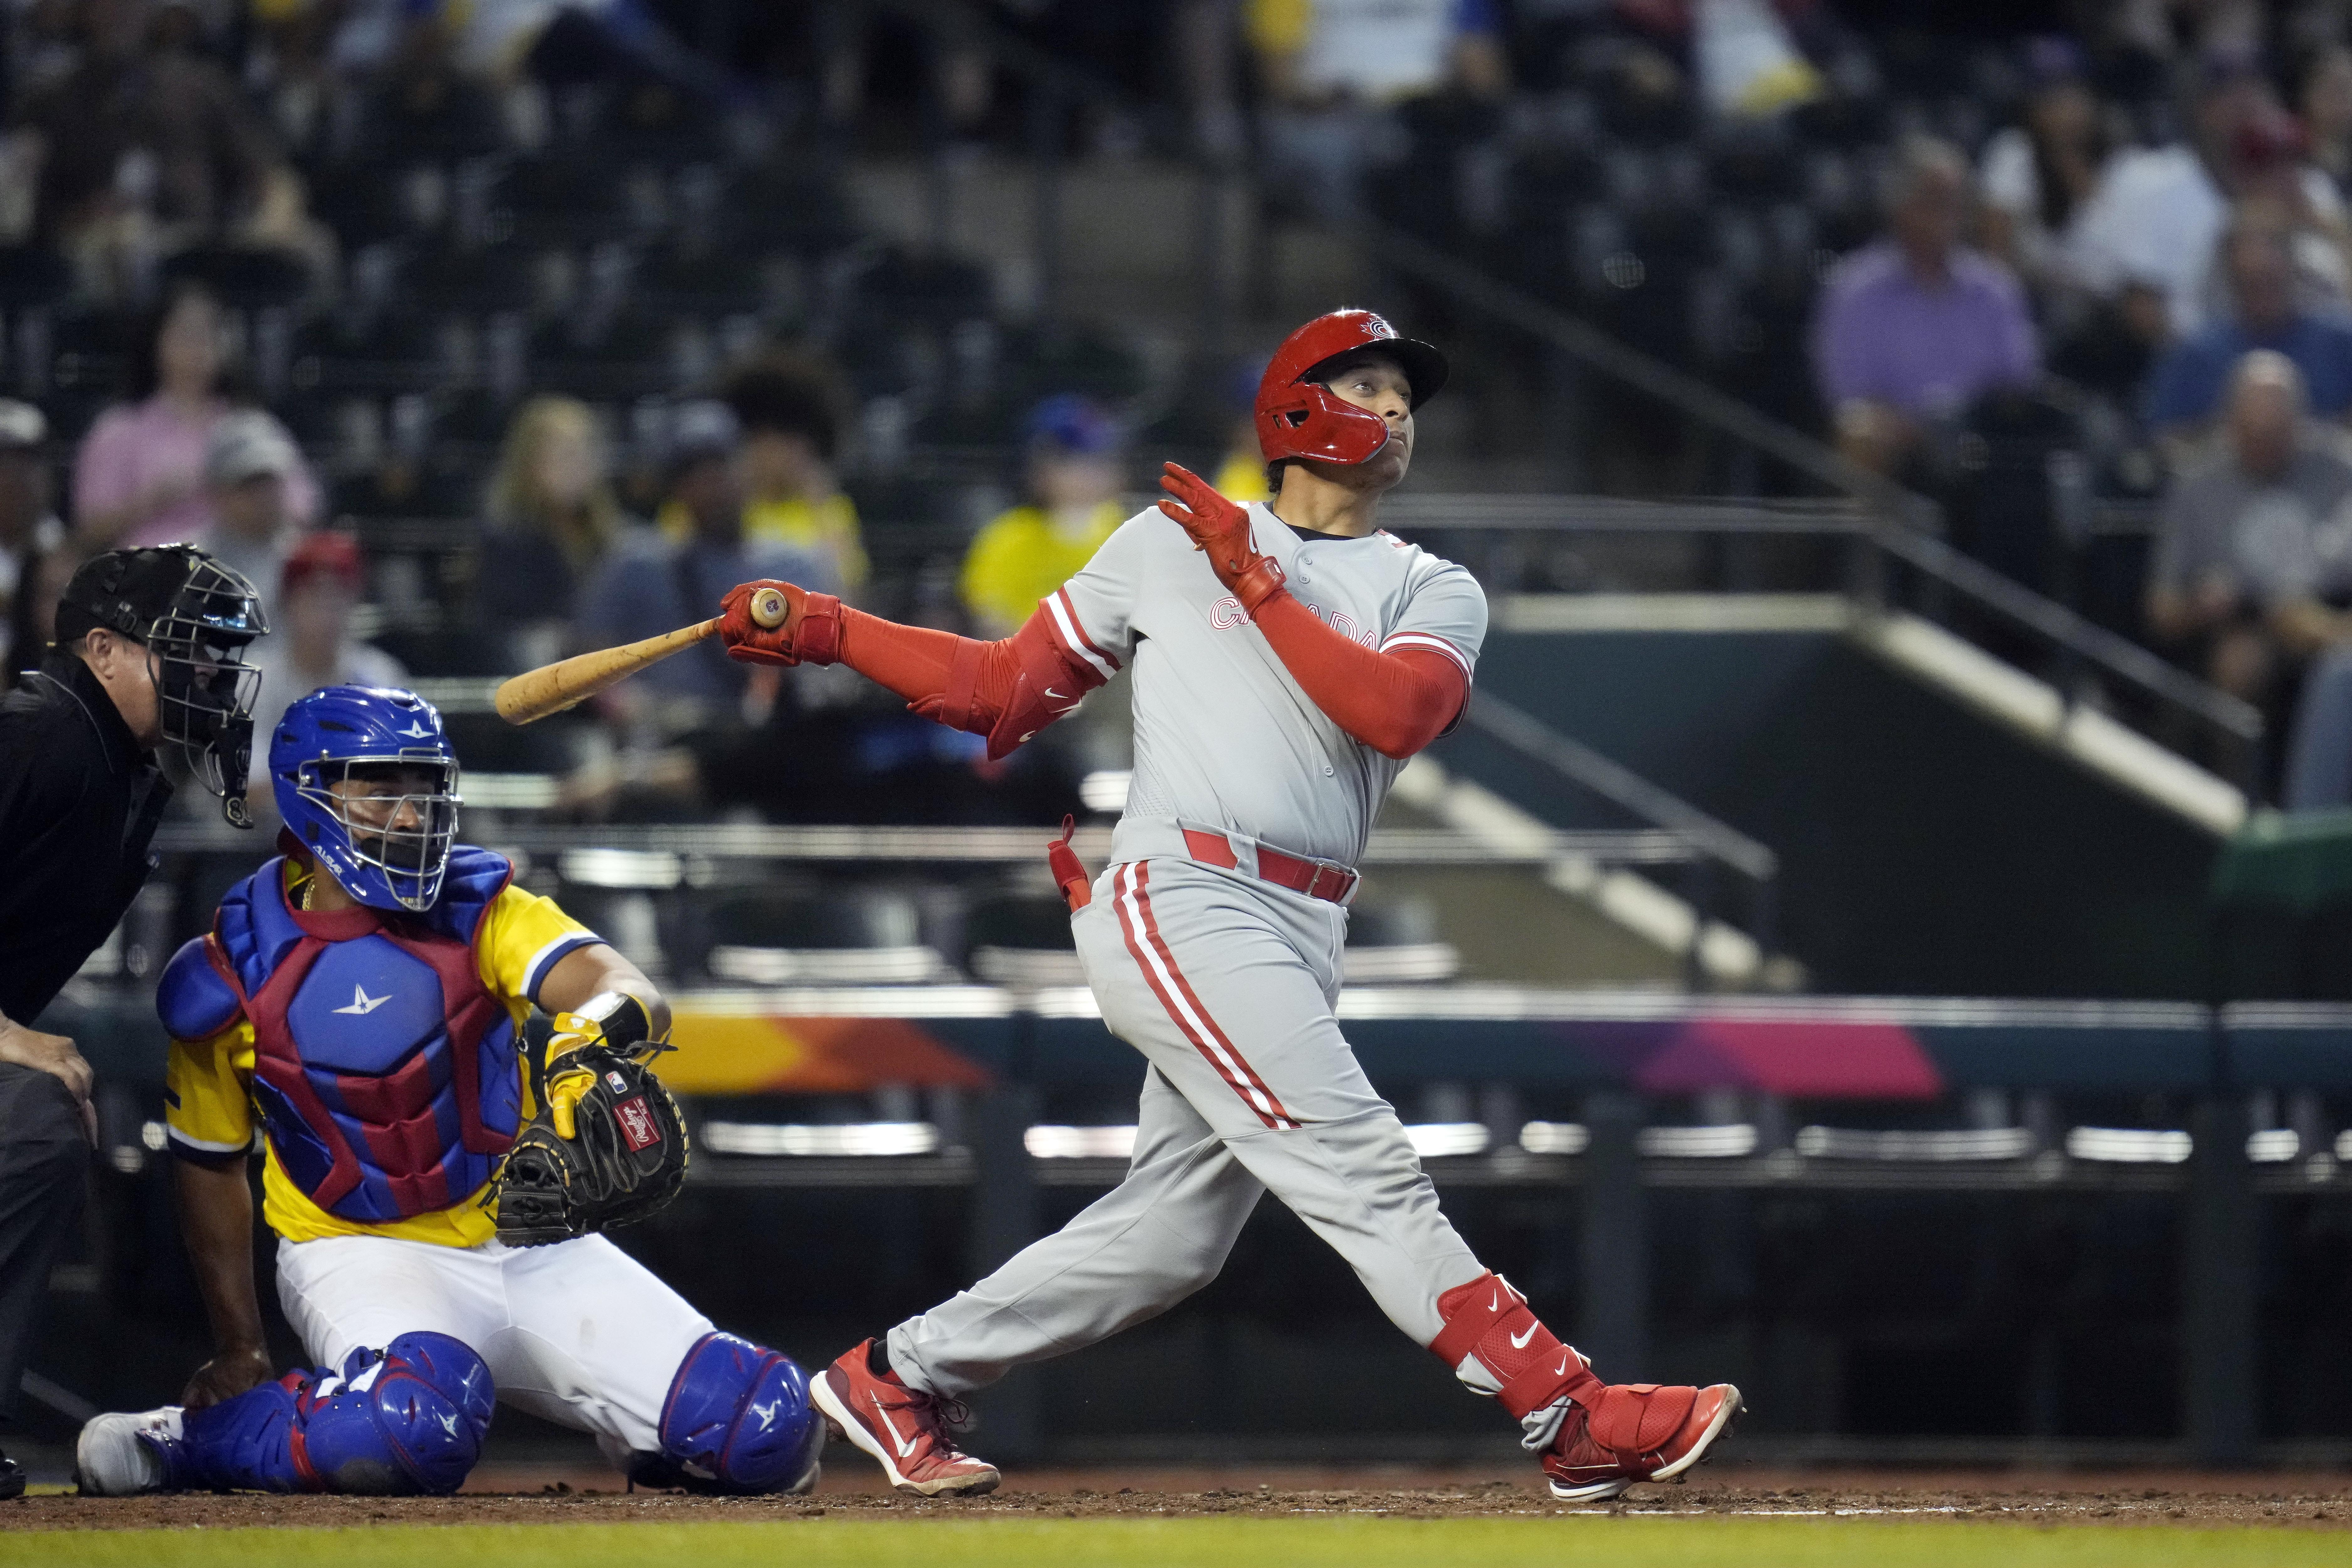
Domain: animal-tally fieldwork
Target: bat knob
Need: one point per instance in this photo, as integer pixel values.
(768, 608)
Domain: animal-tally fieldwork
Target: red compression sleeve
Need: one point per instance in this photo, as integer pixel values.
(1007, 690)
(1396, 703)
(913, 661)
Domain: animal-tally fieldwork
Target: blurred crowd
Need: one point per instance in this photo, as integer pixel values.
(570, 551)
(477, 335)
(553, 312)
(2088, 289)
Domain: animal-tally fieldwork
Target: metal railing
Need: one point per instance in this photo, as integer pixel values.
(1707, 842)
(2088, 662)
(1469, 286)
(669, 854)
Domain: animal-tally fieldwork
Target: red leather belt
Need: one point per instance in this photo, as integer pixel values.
(1316, 878)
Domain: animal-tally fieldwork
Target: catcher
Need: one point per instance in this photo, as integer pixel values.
(363, 999)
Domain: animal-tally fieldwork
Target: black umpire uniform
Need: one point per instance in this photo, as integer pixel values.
(81, 795)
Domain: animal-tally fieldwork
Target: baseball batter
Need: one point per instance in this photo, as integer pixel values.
(1287, 659)
(360, 999)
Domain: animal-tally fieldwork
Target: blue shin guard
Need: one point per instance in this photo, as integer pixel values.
(406, 1419)
(737, 1420)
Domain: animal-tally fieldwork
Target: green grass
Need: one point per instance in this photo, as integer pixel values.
(1625, 1543)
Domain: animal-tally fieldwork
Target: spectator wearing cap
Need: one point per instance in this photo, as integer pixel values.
(552, 518)
(29, 530)
(250, 462)
(2158, 214)
(789, 413)
(1074, 451)
(654, 582)
(2186, 391)
(140, 476)
(318, 592)
(1913, 328)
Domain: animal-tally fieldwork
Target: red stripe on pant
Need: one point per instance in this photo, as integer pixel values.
(1182, 1004)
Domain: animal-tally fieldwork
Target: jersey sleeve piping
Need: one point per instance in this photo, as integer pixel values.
(535, 972)
(1071, 633)
(204, 1151)
(1434, 644)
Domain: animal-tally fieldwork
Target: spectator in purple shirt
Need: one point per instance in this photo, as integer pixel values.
(1913, 328)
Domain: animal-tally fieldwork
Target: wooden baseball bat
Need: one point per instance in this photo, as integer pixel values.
(553, 688)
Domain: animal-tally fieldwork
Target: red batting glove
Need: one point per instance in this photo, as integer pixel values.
(811, 633)
(1222, 530)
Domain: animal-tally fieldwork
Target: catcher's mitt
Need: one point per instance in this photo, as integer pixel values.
(609, 1146)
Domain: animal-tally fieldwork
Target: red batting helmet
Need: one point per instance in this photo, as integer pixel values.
(1298, 418)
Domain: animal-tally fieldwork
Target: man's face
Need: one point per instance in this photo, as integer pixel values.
(778, 463)
(1376, 383)
(1929, 220)
(2225, 106)
(132, 675)
(253, 507)
(712, 495)
(387, 808)
(1068, 481)
(2261, 278)
(319, 613)
(2262, 419)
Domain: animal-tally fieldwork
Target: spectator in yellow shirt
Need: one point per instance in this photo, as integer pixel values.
(791, 431)
(1074, 472)
(1242, 472)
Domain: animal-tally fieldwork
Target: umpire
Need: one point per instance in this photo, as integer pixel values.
(148, 650)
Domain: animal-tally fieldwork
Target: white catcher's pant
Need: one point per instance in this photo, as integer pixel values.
(1226, 984)
(579, 1333)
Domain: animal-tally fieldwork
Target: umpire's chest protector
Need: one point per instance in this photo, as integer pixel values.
(386, 1072)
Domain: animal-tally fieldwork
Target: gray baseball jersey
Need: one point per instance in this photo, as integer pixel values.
(1225, 738)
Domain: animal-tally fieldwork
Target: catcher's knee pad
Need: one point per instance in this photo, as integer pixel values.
(408, 1418)
(737, 1419)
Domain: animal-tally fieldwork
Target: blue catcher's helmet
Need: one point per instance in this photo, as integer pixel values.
(385, 835)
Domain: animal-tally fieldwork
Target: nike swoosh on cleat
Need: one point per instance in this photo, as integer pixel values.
(906, 1446)
(1519, 1342)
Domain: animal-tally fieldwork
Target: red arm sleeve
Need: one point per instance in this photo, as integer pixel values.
(1007, 690)
(1396, 703)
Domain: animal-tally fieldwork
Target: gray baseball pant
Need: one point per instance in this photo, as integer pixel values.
(1226, 984)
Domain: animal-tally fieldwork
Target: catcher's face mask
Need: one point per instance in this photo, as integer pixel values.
(399, 817)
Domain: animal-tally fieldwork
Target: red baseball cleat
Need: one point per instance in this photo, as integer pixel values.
(1636, 1432)
(907, 1431)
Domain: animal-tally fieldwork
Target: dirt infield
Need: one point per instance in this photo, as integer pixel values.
(2307, 1501)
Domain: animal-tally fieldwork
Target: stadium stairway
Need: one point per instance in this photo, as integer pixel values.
(1945, 822)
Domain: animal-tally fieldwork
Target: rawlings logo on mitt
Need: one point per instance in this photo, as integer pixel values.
(608, 1148)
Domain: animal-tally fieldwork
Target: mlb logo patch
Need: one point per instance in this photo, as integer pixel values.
(637, 1127)
(620, 1085)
